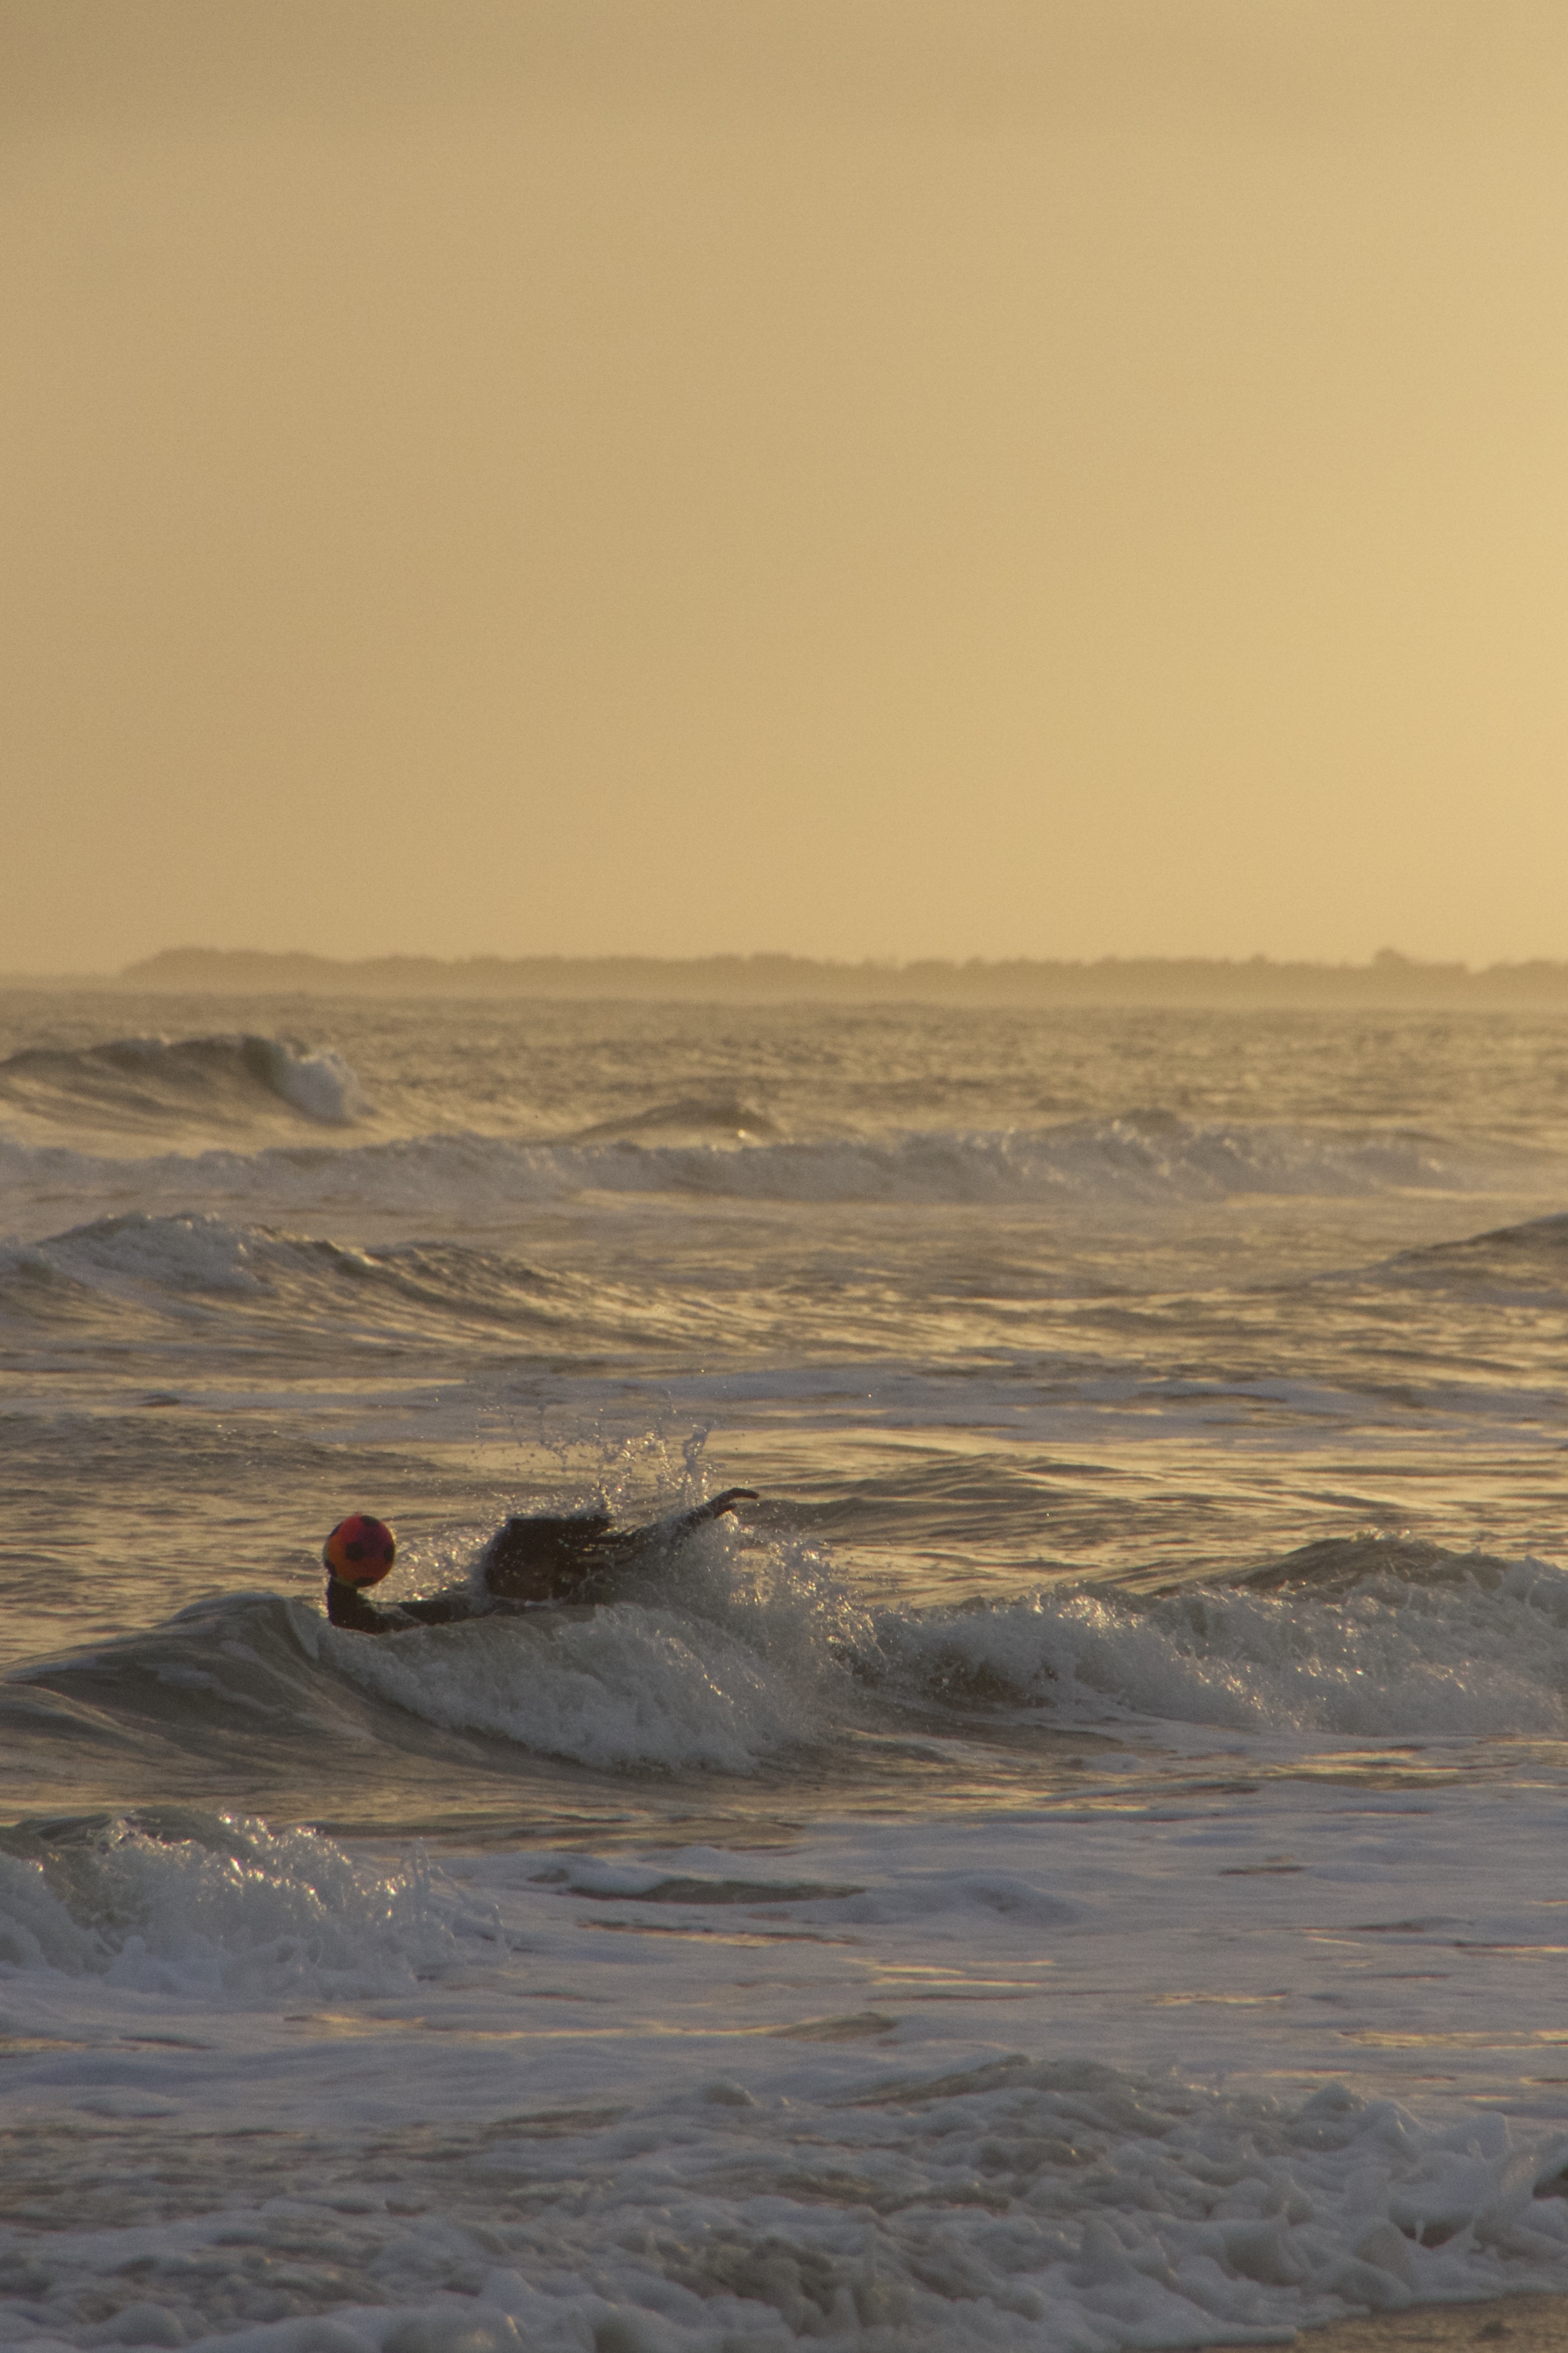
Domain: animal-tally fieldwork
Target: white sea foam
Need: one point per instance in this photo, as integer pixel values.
(849, 2093)
(243, 1910)
(1212, 2221)
(320, 1083)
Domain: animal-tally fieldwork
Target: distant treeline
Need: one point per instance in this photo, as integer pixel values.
(1389, 979)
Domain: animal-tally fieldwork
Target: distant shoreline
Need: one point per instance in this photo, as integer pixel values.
(1388, 980)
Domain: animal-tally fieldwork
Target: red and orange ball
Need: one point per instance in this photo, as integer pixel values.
(360, 1549)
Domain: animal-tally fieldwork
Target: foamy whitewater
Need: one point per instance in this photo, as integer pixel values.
(1076, 1866)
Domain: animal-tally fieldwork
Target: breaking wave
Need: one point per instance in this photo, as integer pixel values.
(1367, 1638)
(1143, 1157)
(150, 1084)
(747, 1653)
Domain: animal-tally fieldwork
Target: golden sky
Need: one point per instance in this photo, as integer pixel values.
(858, 476)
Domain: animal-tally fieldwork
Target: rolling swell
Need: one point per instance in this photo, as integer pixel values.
(156, 1084)
(193, 1277)
(1527, 1262)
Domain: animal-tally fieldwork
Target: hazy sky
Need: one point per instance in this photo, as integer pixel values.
(858, 476)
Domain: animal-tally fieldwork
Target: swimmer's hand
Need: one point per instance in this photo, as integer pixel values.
(718, 1505)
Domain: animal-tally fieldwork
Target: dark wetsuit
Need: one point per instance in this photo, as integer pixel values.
(529, 1561)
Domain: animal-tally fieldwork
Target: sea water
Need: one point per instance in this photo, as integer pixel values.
(1076, 1865)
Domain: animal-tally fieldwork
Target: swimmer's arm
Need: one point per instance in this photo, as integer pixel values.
(646, 1547)
(714, 1509)
(346, 1606)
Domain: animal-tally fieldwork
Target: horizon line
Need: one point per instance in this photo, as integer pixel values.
(1388, 976)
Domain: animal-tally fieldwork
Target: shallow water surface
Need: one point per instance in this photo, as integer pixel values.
(1077, 1864)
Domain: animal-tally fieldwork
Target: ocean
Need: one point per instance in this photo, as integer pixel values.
(1073, 1866)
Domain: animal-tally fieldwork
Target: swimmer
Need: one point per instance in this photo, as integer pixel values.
(526, 1563)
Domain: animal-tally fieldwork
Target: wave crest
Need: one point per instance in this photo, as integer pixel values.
(155, 1083)
(1141, 1158)
(1527, 1262)
(1362, 1639)
(1148, 1155)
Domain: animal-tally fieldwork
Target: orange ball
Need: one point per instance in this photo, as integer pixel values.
(360, 1550)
